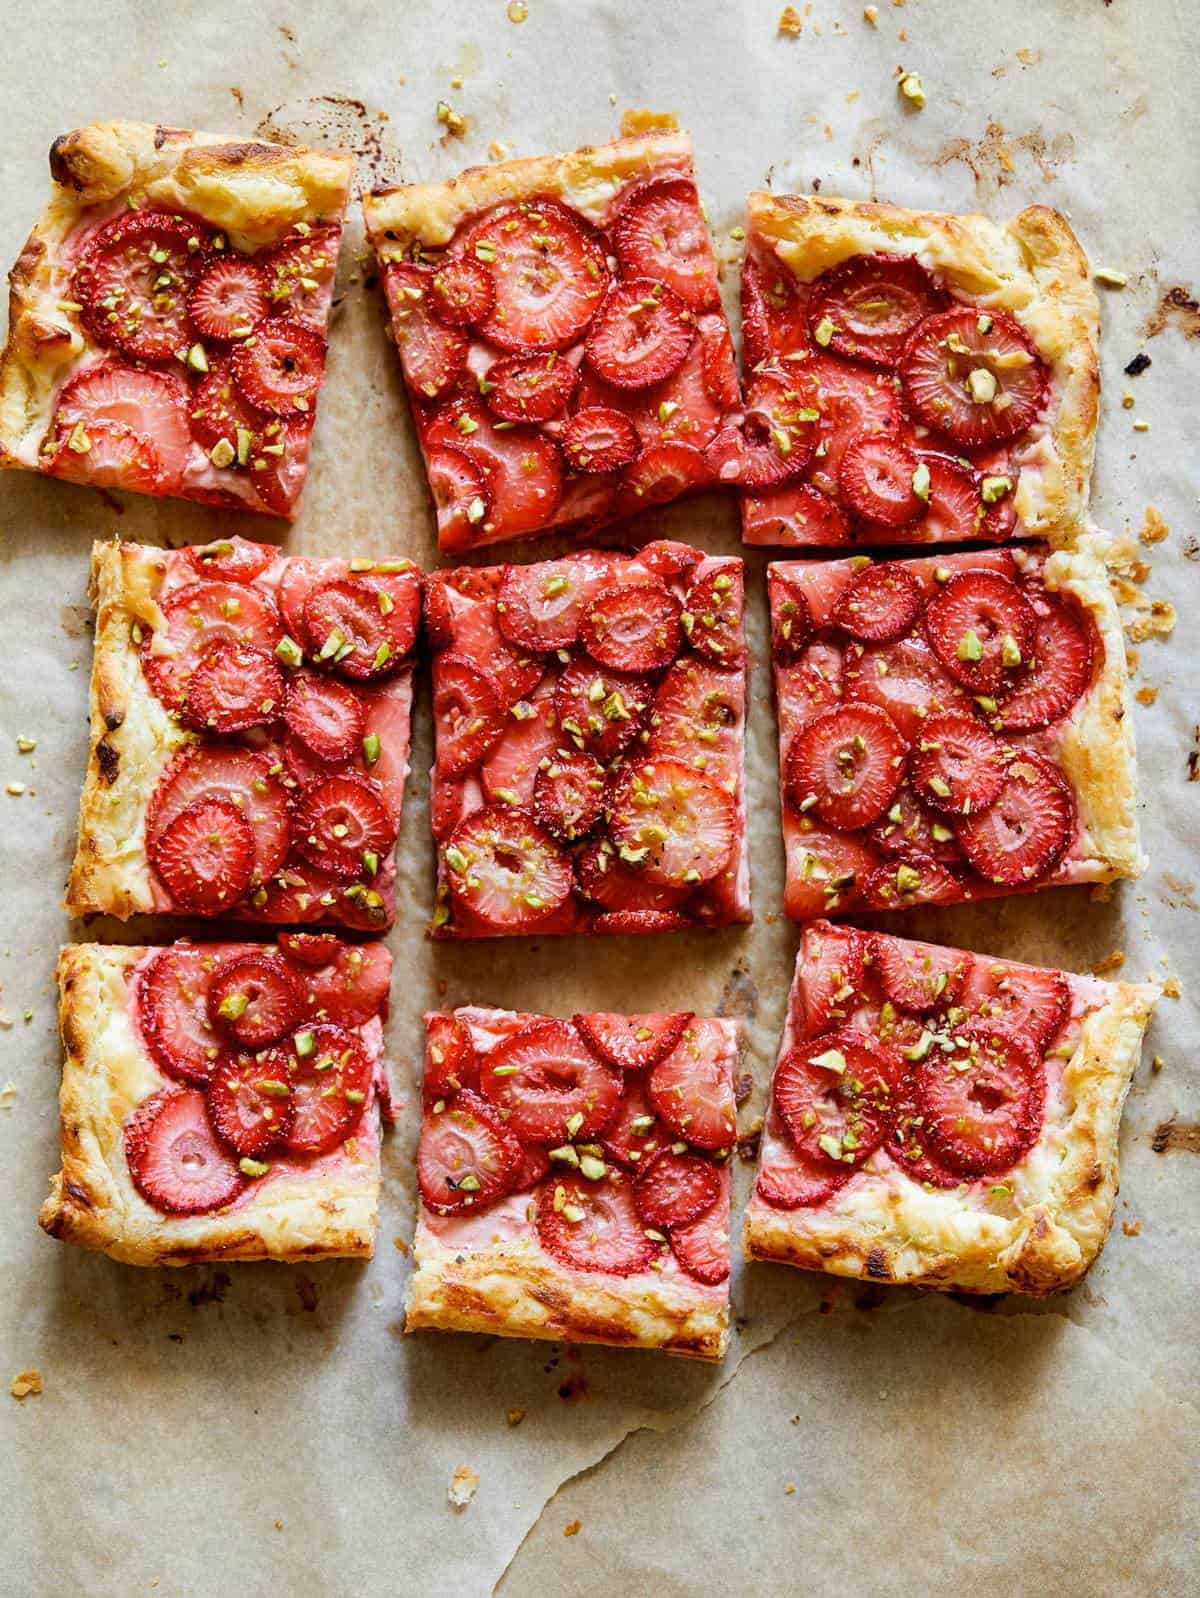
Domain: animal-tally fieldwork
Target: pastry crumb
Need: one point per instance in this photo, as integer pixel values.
(26, 1384)
(401, 1246)
(572, 1527)
(453, 121)
(8, 1093)
(1132, 1228)
(1157, 1064)
(515, 1417)
(1108, 277)
(871, 15)
(1172, 988)
(497, 151)
(913, 90)
(279, 1525)
(1110, 962)
(790, 25)
(1154, 529)
(517, 10)
(463, 1486)
(1146, 696)
(643, 120)
(790, 1488)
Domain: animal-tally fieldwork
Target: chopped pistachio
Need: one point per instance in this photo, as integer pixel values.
(1110, 278)
(592, 1168)
(289, 652)
(273, 1087)
(920, 482)
(222, 453)
(574, 1122)
(981, 386)
(913, 89)
(824, 331)
(969, 646)
(26, 746)
(1010, 650)
(994, 488)
(304, 1043)
(831, 1060)
(197, 360)
(249, 1167)
(233, 1005)
(908, 880)
(921, 1047)
(829, 1145)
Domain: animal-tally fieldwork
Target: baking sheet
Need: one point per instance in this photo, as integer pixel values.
(261, 1429)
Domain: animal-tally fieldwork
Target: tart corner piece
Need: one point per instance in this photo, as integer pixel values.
(915, 377)
(559, 325)
(168, 315)
(574, 1179)
(221, 1101)
(943, 1119)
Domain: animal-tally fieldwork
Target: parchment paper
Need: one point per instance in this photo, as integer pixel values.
(263, 1430)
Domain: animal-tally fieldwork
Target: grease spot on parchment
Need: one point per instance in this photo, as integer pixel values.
(340, 122)
(739, 996)
(1179, 308)
(306, 1292)
(74, 620)
(994, 158)
(1174, 1134)
(211, 1292)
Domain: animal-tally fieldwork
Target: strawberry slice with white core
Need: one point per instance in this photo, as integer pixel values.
(529, 740)
(714, 604)
(109, 455)
(782, 412)
(794, 513)
(529, 388)
(599, 439)
(199, 616)
(660, 235)
(234, 687)
(957, 766)
(134, 279)
(350, 986)
(672, 822)
(600, 711)
(220, 414)
(174, 1158)
(229, 300)
(954, 507)
(231, 560)
(834, 1094)
(774, 313)
(702, 1248)
(717, 368)
(1026, 1000)
(920, 976)
(549, 273)
(539, 607)
(876, 479)
(640, 335)
(363, 626)
(254, 999)
(281, 368)
(607, 880)
(698, 714)
(547, 1084)
(1059, 671)
(911, 828)
(911, 879)
(633, 626)
(692, 1092)
(299, 274)
(204, 856)
(1025, 832)
(432, 353)
(833, 973)
(331, 1077)
(343, 826)
(906, 680)
(982, 1103)
(462, 291)
(845, 766)
(505, 870)
(460, 496)
(523, 467)
(880, 605)
(152, 405)
(568, 795)
(173, 1012)
(468, 712)
(865, 307)
(675, 1189)
(465, 1159)
(974, 376)
(593, 1226)
(325, 715)
(632, 1042)
(982, 629)
(246, 779)
(791, 620)
(792, 1181)
(664, 473)
(635, 1134)
(451, 1063)
(250, 1101)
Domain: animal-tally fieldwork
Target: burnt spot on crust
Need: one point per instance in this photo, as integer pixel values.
(114, 719)
(108, 759)
(62, 152)
(877, 1266)
(164, 135)
(240, 154)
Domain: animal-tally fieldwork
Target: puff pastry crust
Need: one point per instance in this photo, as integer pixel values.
(253, 191)
(1031, 267)
(93, 1202)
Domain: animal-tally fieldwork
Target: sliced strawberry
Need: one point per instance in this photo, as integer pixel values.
(780, 430)
(593, 1226)
(331, 1077)
(549, 273)
(640, 335)
(109, 455)
(911, 828)
(134, 279)
(702, 1248)
(905, 679)
(350, 987)
(299, 273)
(845, 765)
(461, 291)
(174, 1159)
(633, 627)
(911, 879)
(668, 559)
(341, 824)
(568, 795)
(299, 893)
(606, 879)
(364, 626)
(794, 513)
(868, 305)
(468, 713)
(875, 480)
(234, 687)
(205, 856)
(1059, 671)
(791, 619)
(835, 1095)
(635, 1133)
(250, 781)
(976, 377)
(529, 388)
(919, 976)
(675, 1189)
(199, 616)
(220, 413)
(880, 605)
(526, 743)
(717, 368)
(714, 603)
(792, 1181)
(908, 1140)
(229, 300)
(535, 1162)
(465, 1159)
(812, 684)
(600, 711)
(523, 467)
(432, 353)
(691, 1089)
(471, 629)
(1024, 834)
(325, 715)
(312, 950)
(982, 628)
(640, 923)
(832, 973)
(173, 1012)
(699, 711)
(250, 1101)
(774, 313)
(1026, 1000)
(999, 518)
(957, 766)
(673, 821)
(547, 1084)
(632, 1042)
(255, 999)
(539, 607)
(460, 496)
(451, 1063)
(506, 870)
(983, 1102)
(231, 560)
(852, 402)
(954, 509)
(663, 473)
(281, 368)
(660, 235)
(279, 462)
(152, 405)
(599, 439)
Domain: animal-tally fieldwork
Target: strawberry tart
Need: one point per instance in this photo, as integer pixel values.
(943, 1118)
(589, 716)
(914, 377)
(168, 316)
(560, 328)
(951, 728)
(221, 1101)
(574, 1178)
(250, 734)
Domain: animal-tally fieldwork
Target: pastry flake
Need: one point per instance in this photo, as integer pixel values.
(168, 315)
(943, 1118)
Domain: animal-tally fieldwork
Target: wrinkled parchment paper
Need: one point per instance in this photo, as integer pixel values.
(266, 1430)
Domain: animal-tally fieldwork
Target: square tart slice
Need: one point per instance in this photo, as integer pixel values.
(250, 717)
(943, 1118)
(914, 377)
(221, 1101)
(560, 328)
(168, 315)
(951, 728)
(589, 716)
(574, 1179)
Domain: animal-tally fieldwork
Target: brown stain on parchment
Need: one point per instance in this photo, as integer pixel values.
(1179, 308)
(211, 1292)
(341, 122)
(1173, 1134)
(994, 158)
(739, 996)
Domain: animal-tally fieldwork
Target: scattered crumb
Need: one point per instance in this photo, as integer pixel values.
(401, 1246)
(571, 1528)
(1157, 1063)
(26, 1384)
(279, 1525)
(1154, 530)
(1157, 622)
(644, 120)
(1172, 989)
(871, 15)
(1138, 364)
(1132, 660)
(790, 24)
(515, 1417)
(1132, 1228)
(463, 1486)
(26, 746)
(790, 1488)
(16, 789)
(1127, 400)
(454, 123)
(1146, 696)
(913, 90)
(8, 1095)
(517, 10)
(1141, 426)
(1110, 962)
(1109, 278)
(497, 151)
(1029, 58)
(456, 83)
